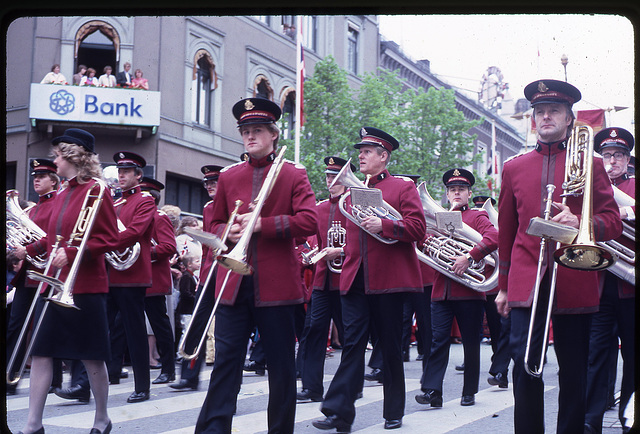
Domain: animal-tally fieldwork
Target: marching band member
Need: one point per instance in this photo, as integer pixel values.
(268, 297)
(616, 315)
(370, 291)
(325, 295)
(127, 288)
(190, 369)
(45, 183)
(451, 299)
(65, 332)
(163, 248)
(524, 181)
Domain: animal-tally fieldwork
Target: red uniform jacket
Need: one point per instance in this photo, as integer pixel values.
(40, 215)
(524, 181)
(387, 267)
(92, 273)
(328, 213)
(428, 274)
(445, 288)
(161, 252)
(207, 253)
(627, 185)
(288, 212)
(135, 209)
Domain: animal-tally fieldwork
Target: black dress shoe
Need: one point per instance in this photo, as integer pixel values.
(432, 397)
(107, 430)
(40, 431)
(124, 373)
(258, 368)
(138, 396)
(420, 357)
(307, 395)
(331, 422)
(157, 366)
(460, 367)
(359, 395)
(53, 389)
(183, 385)
(467, 400)
(74, 392)
(375, 375)
(499, 380)
(164, 378)
(392, 423)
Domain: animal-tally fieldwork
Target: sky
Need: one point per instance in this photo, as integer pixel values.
(526, 48)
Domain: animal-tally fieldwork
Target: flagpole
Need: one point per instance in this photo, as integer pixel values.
(494, 160)
(298, 87)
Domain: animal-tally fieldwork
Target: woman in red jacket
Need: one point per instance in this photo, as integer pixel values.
(65, 332)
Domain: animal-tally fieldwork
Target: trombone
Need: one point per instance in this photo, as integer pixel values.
(581, 253)
(81, 230)
(183, 340)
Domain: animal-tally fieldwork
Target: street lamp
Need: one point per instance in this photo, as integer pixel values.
(564, 60)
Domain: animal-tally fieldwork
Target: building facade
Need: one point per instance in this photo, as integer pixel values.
(197, 68)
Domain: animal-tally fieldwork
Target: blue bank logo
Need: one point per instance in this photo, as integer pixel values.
(62, 102)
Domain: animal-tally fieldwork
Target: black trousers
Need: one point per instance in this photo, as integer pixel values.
(156, 309)
(22, 299)
(190, 369)
(468, 314)
(234, 325)
(357, 310)
(616, 318)
(418, 303)
(499, 328)
(324, 305)
(571, 344)
(129, 330)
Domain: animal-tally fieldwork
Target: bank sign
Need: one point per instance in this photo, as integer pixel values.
(94, 104)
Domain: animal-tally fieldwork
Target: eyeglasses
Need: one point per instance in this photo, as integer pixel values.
(617, 155)
(209, 183)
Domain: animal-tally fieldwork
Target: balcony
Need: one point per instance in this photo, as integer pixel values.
(123, 111)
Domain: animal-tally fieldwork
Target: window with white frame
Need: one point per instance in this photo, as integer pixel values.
(353, 35)
(203, 86)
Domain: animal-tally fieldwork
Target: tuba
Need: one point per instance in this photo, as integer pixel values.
(624, 267)
(347, 178)
(437, 250)
(336, 238)
(21, 230)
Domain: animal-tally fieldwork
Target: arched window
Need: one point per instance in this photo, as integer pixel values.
(262, 88)
(288, 106)
(205, 81)
(96, 45)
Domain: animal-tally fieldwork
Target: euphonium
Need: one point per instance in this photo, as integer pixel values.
(624, 267)
(347, 178)
(336, 238)
(493, 214)
(439, 248)
(122, 260)
(21, 230)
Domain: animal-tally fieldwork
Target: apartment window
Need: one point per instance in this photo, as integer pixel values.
(190, 196)
(204, 83)
(288, 113)
(352, 50)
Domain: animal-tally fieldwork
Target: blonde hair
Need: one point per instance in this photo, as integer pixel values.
(87, 163)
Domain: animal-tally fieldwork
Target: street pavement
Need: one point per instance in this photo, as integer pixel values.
(173, 412)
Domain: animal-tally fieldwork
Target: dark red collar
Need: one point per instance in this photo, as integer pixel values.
(551, 148)
(262, 162)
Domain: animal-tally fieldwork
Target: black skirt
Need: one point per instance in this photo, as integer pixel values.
(68, 333)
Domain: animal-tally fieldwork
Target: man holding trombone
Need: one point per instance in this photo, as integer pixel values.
(264, 286)
(528, 279)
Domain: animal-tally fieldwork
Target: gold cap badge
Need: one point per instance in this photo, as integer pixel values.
(331, 161)
(35, 163)
(542, 87)
(456, 172)
(248, 105)
(613, 133)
